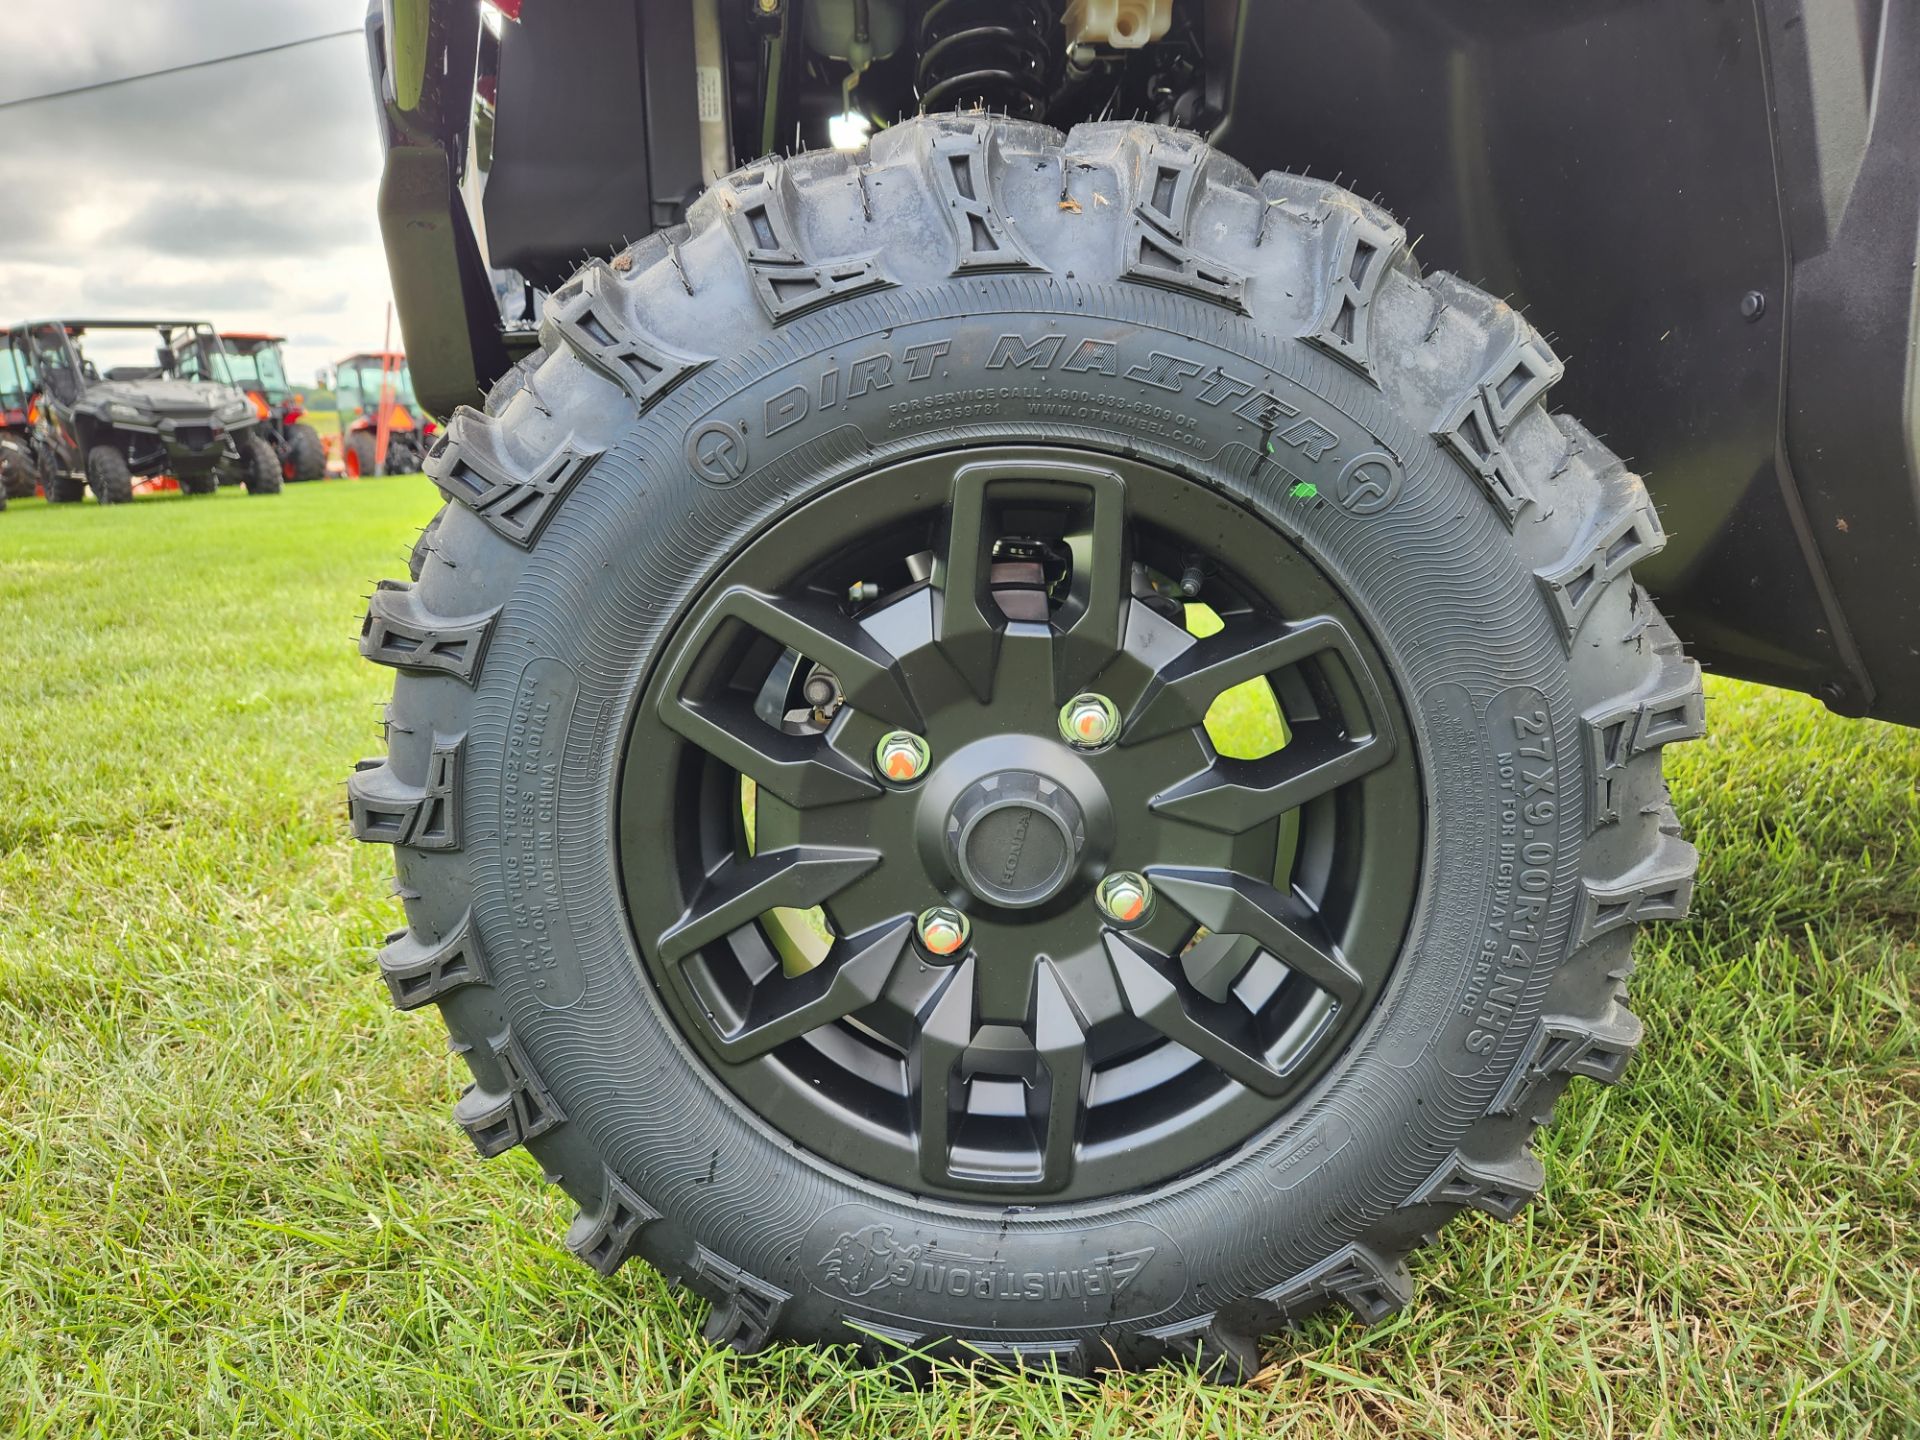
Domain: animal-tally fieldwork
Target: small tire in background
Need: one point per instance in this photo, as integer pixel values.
(109, 476)
(360, 455)
(403, 453)
(18, 480)
(204, 483)
(306, 454)
(259, 466)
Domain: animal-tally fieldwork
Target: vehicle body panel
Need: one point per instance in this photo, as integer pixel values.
(1714, 209)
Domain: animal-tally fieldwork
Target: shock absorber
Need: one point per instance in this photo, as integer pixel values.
(993, 53)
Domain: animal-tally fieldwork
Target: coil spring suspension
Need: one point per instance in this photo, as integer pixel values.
(991, 53)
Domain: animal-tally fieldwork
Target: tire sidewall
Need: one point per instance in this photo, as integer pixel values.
(583, 617)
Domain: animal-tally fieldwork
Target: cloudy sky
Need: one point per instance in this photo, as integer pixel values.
(241, 192)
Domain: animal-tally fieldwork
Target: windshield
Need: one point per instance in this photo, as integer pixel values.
(14, 384)
(359, 385)
(199, 354)
(255, 365)
(273, 376)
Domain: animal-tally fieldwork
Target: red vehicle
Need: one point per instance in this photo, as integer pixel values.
(385, 429)
(255, 362)
(19, 476)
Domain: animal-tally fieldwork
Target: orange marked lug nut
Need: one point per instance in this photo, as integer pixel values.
(901, 757)
(942, 931)
(1089, 722)
(1124, 897)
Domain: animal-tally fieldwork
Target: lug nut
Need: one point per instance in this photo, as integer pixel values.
(1089, 721)
(901, 757)
(942, 930)
(1125, 897)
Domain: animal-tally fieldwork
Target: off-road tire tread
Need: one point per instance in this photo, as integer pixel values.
(361, 444)
(421, 968)
(259, 465)
(306, 453)
(399, 630)
(1161, 196)
(109, 476)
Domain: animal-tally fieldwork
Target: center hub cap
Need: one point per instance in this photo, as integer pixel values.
(1015, 838)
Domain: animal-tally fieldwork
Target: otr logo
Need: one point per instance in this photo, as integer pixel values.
(717, 453)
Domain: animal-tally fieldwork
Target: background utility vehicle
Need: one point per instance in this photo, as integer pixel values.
(174, 412)
(257, 366)
(805, 774)
(18, 476)
(386, 432)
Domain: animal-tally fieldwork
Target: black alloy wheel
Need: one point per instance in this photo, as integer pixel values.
(1062, 1051)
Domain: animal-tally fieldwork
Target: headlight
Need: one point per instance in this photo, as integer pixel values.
(117, 411)
(241, 409)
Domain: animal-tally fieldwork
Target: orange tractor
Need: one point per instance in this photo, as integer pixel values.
(385, 430)
(256, 365)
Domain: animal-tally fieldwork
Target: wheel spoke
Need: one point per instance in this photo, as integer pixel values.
(1062, 1046)
(739, 891)
(1236, 795)
(1093, 620)
(932, 1065)
(1221, 1034)
(1088, 626)
(869, 676)
(969, 625)
(803, 770)
(784, 1008)
(1229, 903)
(1186, 684)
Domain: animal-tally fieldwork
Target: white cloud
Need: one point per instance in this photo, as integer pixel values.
(242, 193)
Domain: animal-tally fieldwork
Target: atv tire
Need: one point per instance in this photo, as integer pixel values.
(1121, 307)
(109, 476)
(206, 483)
(259, 467)
(403, 453)
(62, 489)
(18, 480)
(360, 455)
(306, 455)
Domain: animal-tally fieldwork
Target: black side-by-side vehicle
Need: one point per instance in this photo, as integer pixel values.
(1028, 731)
(177, 412)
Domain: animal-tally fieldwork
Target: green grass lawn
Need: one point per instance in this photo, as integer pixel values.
(232, 1201)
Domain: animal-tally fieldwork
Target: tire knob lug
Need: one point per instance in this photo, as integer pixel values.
(1125, 897)
(1089, 722)
(942, 931)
